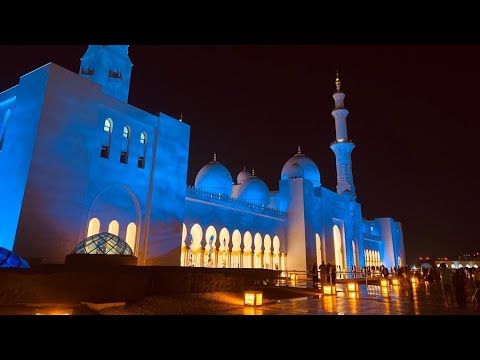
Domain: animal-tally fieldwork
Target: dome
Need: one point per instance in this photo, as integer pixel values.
(254, 190)
(243, 176)
(310, 170)
(295, 171)
(8, 259)
(103, 243)
(214, 177)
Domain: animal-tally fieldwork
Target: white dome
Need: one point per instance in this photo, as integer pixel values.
(254, 190)
(242, 176)
(310, 170)
(295, 171)
(214, 177)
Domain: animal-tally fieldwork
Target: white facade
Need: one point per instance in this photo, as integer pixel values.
(76, 159)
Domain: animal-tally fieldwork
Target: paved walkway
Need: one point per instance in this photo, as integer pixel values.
(370, 300)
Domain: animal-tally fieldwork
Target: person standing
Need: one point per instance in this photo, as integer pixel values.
(446, 281)
(459, 283)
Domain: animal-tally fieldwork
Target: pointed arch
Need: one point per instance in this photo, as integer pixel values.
(267, 257)
(258, 263)
(196, 233)
(143, 150)
(337, 240)
(224, 249)
(210, 247)
(106, 138)
(247, 250)
(125, 145)
(236, 251)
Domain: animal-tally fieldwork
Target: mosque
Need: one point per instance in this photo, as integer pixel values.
(77, 160)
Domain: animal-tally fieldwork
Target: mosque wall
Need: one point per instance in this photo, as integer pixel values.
(215, 228)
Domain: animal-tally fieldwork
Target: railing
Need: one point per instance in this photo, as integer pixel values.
(233, 202)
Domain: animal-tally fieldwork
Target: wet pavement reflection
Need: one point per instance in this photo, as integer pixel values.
(406, 299)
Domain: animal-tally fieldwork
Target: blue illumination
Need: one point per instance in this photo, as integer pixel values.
(310, 170)
(214, 177)
(9, 259)
(254, 190)
(79, 135)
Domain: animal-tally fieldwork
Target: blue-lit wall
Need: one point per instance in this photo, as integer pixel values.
(54, 180)
(25, 102)
(69, 182)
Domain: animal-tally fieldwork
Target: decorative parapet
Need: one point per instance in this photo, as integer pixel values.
(232, 202)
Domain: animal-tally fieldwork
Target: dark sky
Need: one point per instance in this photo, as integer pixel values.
(412, 118)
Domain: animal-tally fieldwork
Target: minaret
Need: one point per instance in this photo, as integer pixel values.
(109, 66)
(342, 147)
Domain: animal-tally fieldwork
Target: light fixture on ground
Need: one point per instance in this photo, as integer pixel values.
(395, 281)
(384, 283)
(352, 286)
(353, 295)
(293, 278)
(329, 289)
(253, 298)
(414, 280)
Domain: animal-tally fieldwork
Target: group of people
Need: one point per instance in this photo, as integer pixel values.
(328, 273)
(457, 279)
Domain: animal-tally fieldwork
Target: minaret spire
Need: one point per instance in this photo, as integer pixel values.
(338, 82)
(215, 157)
(181, 116)
(342, 147)
(299, 150)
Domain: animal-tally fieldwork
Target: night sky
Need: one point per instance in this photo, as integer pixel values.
(412, 118)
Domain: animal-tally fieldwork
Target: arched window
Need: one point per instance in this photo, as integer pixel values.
(93, 227)
(3, 128)
(113, 227)
(107, 138)
(125, 145)
(143, 151)
(131, 235)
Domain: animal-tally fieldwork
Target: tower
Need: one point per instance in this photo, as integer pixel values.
(109, 66)
(342, 147)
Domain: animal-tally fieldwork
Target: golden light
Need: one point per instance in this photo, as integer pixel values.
(384, 283)
(353, 295)
(395, 282)
(53, 311)
(293, 278)
(329, 290)
(396, 289)
(414, 280)
(253, 298)
(384, 291)
(352, 286)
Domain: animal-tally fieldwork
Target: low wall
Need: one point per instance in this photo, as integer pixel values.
(68, 283)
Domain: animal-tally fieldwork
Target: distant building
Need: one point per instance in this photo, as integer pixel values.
(76, 159)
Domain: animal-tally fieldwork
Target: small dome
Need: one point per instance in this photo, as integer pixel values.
(310, 170)
(8, 259)
(295, 171)
(242, 176)
(254, 190)
(103, 243)
(214, 177)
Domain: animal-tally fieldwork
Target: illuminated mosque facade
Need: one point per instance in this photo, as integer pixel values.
(76, 160)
